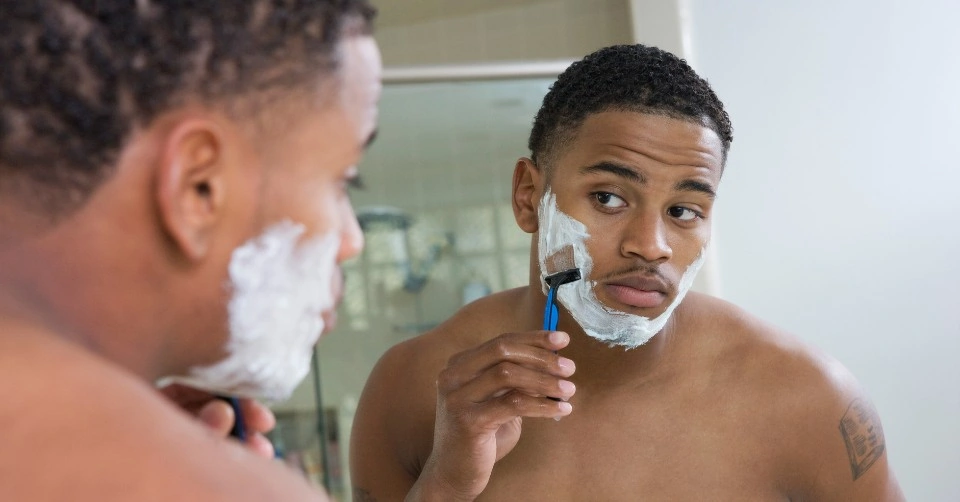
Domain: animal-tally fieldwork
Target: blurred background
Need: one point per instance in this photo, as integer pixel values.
(835, 219)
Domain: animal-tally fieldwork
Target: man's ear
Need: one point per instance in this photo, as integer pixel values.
(527, 189)
(190, 186)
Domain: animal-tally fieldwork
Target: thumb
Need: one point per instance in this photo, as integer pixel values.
(218, 416)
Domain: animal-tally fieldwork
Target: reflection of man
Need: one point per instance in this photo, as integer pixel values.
(173, 202)
(674, 397)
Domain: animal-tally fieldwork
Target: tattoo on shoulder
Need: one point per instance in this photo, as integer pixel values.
(863, 435)
(361, 495)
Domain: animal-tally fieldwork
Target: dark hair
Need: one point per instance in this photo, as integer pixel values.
(79, 75)
(628, 78)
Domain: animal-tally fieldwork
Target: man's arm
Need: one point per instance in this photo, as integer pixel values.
(850, 449)
(477, 401)
(870, 474)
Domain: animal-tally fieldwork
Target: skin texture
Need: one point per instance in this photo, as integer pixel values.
(717, 406)
(129, 288)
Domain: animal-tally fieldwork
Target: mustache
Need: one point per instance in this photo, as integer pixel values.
(642, 269)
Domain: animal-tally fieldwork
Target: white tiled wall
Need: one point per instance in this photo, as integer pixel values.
(444, 156)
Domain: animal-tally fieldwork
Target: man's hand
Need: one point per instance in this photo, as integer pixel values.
(218, 415)
(482, 395)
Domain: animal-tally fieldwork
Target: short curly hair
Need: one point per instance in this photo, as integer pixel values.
(627, 78)
(78, 76)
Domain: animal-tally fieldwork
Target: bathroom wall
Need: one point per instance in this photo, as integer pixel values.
(836, 216)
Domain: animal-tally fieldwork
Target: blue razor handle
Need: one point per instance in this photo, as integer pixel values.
(551, 315)
(239, 429)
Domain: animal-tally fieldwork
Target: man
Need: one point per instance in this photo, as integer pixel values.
(666, 395)
(173, 203)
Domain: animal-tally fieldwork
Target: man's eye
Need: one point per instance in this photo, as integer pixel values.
(607, 199)
(683, 213)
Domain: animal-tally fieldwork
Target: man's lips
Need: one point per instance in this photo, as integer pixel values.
(636, 291)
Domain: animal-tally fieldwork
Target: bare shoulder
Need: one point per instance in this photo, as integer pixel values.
(754, 348)
(78, 428)
(798, 382)
(809, 403)
(423, 356)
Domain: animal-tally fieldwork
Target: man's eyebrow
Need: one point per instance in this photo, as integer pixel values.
(695, 186)
(616, 169)
(370, 139)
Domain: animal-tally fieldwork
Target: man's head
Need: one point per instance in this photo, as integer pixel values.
(632, 78)
(143, 143)
(627, 153)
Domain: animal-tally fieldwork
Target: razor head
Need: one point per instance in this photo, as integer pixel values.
(561, 278)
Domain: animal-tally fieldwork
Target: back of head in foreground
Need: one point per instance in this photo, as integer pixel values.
(173, 202)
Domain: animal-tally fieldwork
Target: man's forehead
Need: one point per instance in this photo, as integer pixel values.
(361, 85)
(664, 139)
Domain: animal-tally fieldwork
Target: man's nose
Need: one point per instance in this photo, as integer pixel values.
(645, 237)
(351, 236)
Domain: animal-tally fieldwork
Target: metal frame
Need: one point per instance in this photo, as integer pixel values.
(480, 71)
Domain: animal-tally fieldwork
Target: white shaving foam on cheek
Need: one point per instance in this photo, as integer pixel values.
(279, 292)
(557, 231)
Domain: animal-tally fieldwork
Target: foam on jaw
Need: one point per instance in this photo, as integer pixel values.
(279, 290)
(558, 230)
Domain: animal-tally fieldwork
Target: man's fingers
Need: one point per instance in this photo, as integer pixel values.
(257, 417)
(506, 377)
(218, 416)
(492, 414)
(260, 445)
(534, 350)
(523, 405)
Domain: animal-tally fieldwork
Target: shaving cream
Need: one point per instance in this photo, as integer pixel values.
(558, 231)
(279, 290)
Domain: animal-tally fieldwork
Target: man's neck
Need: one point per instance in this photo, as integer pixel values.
(49, 299)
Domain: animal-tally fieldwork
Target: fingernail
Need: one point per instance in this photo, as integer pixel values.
(566, 365)
(567, 387)
(565, 407)
(558, 337)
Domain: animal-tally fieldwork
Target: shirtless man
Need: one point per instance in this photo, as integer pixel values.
(173, 203)
(673, 396)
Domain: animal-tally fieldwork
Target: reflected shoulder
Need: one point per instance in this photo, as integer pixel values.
(482, 320)
(811, 406)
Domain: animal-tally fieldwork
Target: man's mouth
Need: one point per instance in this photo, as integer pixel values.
(637, 291)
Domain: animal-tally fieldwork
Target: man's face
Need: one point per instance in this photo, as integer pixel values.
(284, 280)
(643, 186)
(309, 168)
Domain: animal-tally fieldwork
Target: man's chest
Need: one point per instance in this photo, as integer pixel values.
(625, 453)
